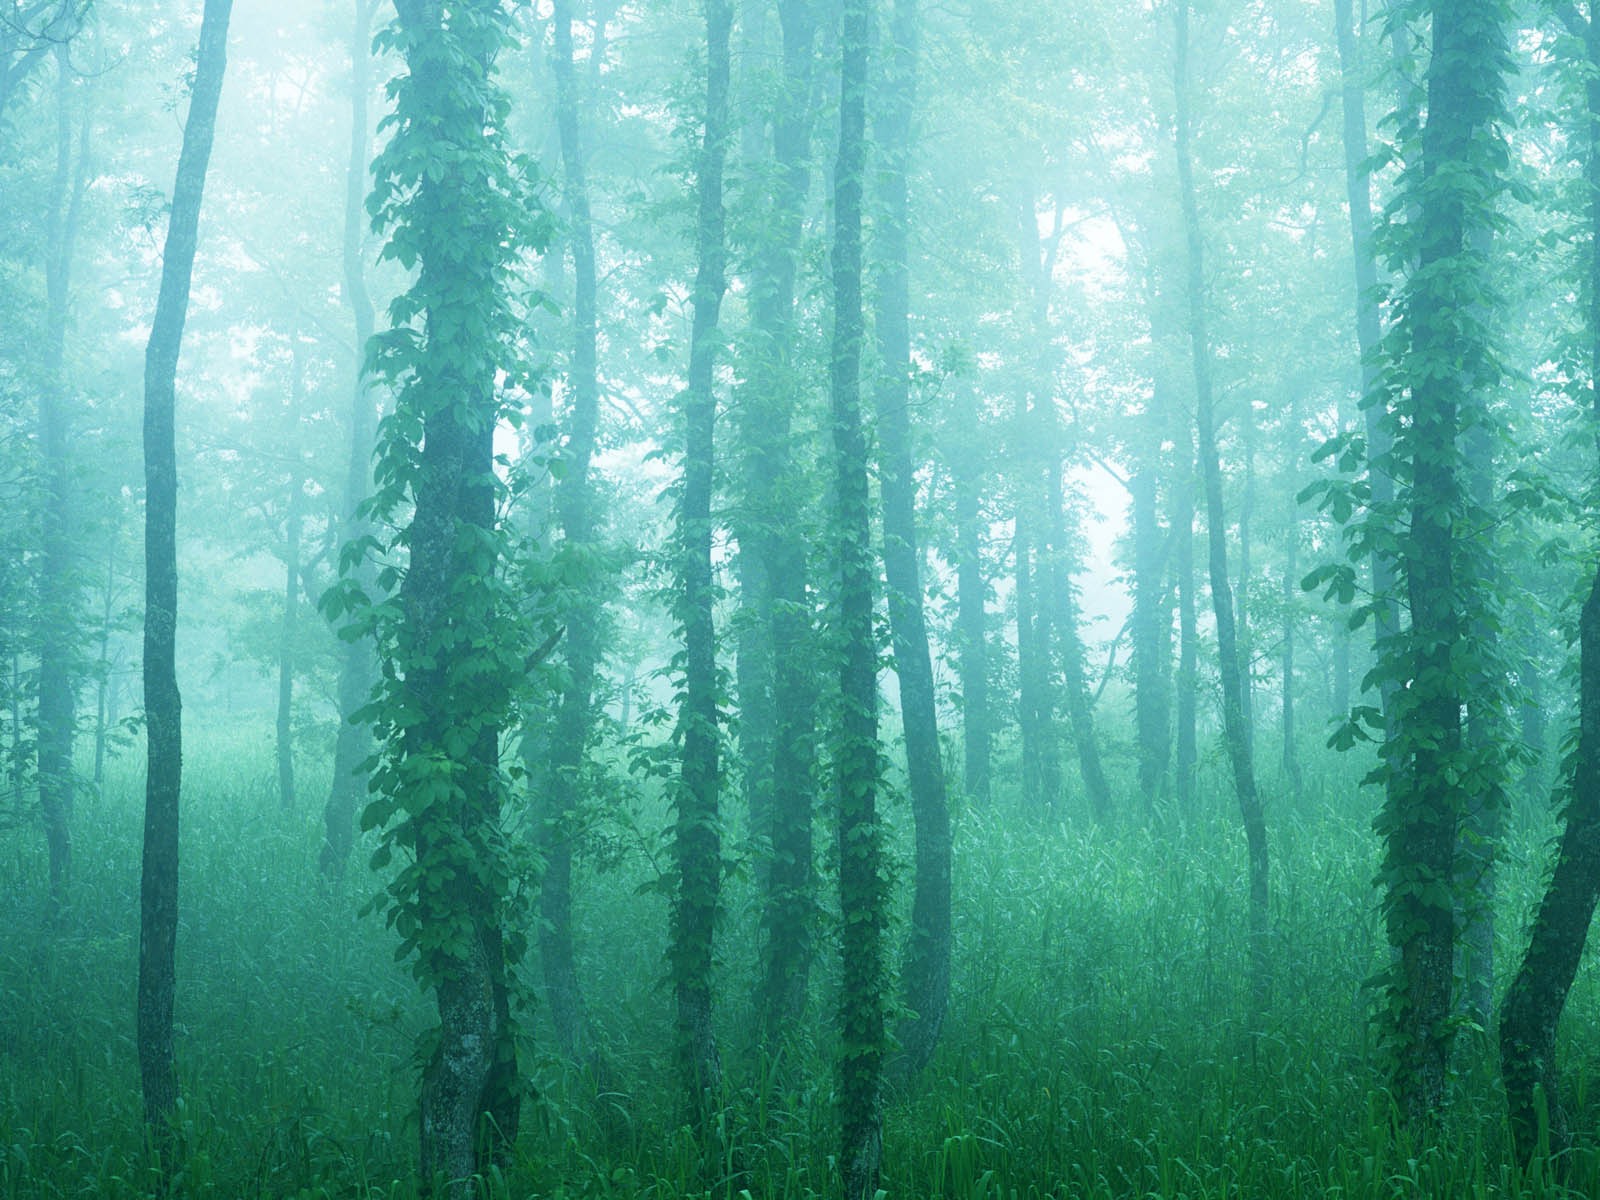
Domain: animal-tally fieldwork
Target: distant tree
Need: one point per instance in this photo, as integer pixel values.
(1236, 732)
(60, 610)
(357, 664)
(158, 921)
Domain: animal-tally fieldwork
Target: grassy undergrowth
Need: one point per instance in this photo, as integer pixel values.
(1097, 1044)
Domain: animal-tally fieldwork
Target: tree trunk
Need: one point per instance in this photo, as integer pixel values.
(158, 897)
(286, 630)
(1228, 653)
(778, 720)
(1152, 638)
(856, 752)
(357, 661)
(1533, 1004)
(576, 510)
(925, 977)
(972, 635)
(1186, 751)
(697, 834)
(59, 607)
(1446, 360)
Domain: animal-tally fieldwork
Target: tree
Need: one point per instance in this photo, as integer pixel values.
(856, 755)
(357, 666)
(452, 648)
(158, 897)
(925, 978)
(60, 610)
(576, 509)
(1229, 657)
(1443, 362)
(1538, 992)
(697, 835)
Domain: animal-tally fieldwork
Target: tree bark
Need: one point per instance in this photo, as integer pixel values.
(158, 897)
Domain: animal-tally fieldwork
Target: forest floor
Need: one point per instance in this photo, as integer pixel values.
(1097, 1047)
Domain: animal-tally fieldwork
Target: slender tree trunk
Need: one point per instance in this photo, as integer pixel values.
(1152, 638)
(856, 753)
(576, 510)
(357, 660)
(1533, 1004)
(1075, 690)
(971, 620)
(59, 590)
(1228, 652)
(102, 706)
(158, 901)
(286, 634)
(925, 977)
(1291, 589)
(1186, 753)
(697, 837)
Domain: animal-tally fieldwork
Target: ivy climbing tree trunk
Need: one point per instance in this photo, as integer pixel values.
(60, 610)
(158, 894)
(697, 831)
(778, 721)
(454, 649)
(1534, 1002)
(856, 754)
(357, 662)
(1447, 356)
(577, 512)
(1235, 732)
(925, 977)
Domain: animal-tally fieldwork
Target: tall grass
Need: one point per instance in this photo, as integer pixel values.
(1097, 1046)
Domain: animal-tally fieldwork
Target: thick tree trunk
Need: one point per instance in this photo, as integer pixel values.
(856, 751)
(1446, 361)
(925, 977)
(1186, 750)
(697, 832)
(158, 898)
(1229, 661)
(357, 661)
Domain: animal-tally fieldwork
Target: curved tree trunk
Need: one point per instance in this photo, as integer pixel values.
(158, 896)
(1533, 1004)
